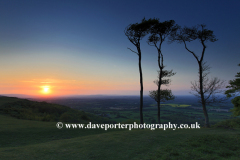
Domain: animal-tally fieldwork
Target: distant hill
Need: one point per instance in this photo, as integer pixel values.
(43, 111)
(18, 95)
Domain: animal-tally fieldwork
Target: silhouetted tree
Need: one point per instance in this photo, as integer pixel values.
(234, 88)
(204, 35)
(212, 88)
(135, 32)
(164, 94)
(236, 108)
(159, 31)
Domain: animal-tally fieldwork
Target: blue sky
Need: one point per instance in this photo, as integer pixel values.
(79, 47)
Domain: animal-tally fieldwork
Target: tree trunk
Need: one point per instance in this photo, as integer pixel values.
(202, 95)
(141, 86)
(159, 86)
(159, 96)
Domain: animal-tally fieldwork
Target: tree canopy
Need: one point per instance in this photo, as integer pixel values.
(236, 108)
(234, 85)
(165, 94)
(135, 32)
(188, 34)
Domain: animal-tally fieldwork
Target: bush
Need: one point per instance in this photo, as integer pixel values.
(236, 109)
(230, 123)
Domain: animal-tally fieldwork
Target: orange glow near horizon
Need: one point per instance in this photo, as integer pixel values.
(46, 87)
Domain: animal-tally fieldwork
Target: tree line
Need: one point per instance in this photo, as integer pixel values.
(158, 32)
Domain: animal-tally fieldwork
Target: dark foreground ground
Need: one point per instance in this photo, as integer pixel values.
(31, 139)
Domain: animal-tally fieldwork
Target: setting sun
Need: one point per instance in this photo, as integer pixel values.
(45, 89)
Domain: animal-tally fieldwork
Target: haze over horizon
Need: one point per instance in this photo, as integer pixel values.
(59, 48)
(76, 96)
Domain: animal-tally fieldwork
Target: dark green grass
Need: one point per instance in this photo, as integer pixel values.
(17, 132)
(28, 139)
(25, 139)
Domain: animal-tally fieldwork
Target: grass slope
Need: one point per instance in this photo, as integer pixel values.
(29, 139)
(25, 139)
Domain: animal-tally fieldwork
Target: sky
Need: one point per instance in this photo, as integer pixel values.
(59, 47)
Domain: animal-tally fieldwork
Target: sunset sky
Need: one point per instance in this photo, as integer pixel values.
(59, 47)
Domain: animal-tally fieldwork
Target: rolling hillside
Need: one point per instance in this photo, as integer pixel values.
(31, 139)
(43, 111)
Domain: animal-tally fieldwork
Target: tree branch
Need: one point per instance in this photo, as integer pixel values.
(190, 51)
(133, 51)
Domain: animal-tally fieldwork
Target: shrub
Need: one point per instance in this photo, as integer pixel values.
(236, 109)
(230, 123)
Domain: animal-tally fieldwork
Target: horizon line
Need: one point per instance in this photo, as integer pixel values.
(82, 95)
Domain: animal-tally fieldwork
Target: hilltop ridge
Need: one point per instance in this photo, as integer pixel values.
(43, 111)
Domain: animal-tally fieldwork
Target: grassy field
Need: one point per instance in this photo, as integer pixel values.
(176, 113)
(25, 139)
(31, 139)
(173, 105)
